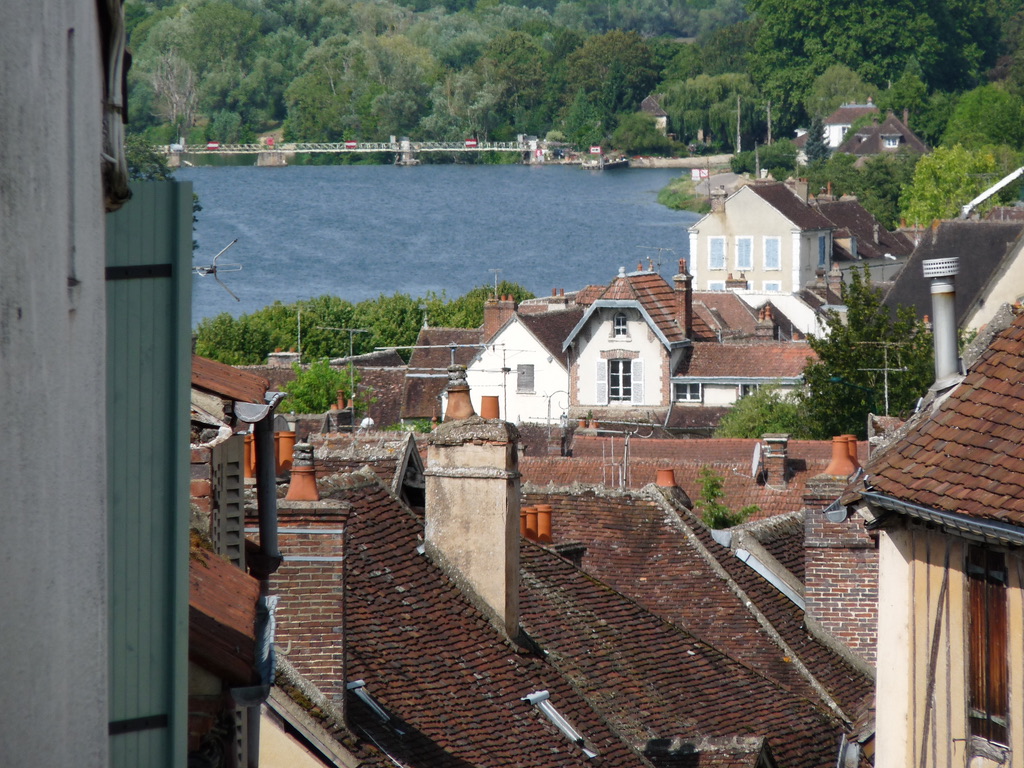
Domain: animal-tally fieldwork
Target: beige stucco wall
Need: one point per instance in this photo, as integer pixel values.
(921, 695)
(52, 375)
(596, 341)
(510, 348)
(1005, 286)
(747, 215)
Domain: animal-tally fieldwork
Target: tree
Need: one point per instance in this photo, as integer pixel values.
(848, 379)
(638, 134)
(713, 512)
(766, 410)
(836, 86)
(987, 115)
(706, 106)
(949, 178)
(615, 71)
(144, 164)
(315, 389)
(817, 149)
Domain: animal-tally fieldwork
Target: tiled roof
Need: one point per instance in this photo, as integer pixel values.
(702, 419)
(850, 215)
(987, 242)
(870, 140)
(765, 360)
(385, 452)
(386, 386)
(222, 617)
(589, 294)
(227, 381)
(721, 311)
(848, 114)
(552, 329)
(430, 658)
(783, 537)
(656, 296)
(789, 205)
(669, 563)
(966, 454)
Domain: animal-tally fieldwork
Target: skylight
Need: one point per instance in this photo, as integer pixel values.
(540, 700)
(358, 687)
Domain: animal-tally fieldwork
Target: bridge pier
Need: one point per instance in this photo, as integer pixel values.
(406, 154)
(271, 160)
(174, 160)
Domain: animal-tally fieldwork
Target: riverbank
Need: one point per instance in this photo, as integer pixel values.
(714, 162)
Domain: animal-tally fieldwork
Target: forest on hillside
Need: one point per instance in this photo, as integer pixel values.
(332, 70)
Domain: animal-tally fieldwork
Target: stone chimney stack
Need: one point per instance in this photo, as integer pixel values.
(683, 285)
(718, 196)
(765, 328)
(472, 512)
(498, 310)
(776, 458)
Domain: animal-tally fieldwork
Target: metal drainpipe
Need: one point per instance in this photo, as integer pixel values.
(944, 336)
(266, 484)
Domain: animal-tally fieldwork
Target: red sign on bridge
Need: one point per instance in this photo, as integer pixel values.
(351, 144)
(470, 143)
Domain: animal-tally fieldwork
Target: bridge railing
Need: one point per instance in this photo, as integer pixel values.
(216, 148)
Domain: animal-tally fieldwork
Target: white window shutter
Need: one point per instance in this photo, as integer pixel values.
(602, 382)
(637, 372)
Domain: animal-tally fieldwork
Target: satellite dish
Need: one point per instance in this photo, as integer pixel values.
(755, 460)
(213, 269)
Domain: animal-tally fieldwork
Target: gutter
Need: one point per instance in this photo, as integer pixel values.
(993, 531)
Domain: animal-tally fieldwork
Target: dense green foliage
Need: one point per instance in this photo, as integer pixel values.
(765, 411)
(319, 327)
(315, 389)
(232, 70)
(848, 380)
(713, 510)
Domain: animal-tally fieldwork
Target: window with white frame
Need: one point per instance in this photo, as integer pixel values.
(686, 392)
(891, 142)
(744, 253)
(773, 253)
(621, 327)
(716, 253)
(772, 286)
(620, 380)
(747, 389)
(524, 377)
(821, 251)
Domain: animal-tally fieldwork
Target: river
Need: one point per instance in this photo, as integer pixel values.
(358, 231)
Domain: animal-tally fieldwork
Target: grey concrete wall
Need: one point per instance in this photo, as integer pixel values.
(52, 380)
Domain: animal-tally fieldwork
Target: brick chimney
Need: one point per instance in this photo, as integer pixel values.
(765, 328)
(472, 512)
(498, 310)
(776, 459)
(736, 283)
(683, 285)
(718, 196)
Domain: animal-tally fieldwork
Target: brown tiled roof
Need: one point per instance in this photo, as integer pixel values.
(848, 114)
(870, 140)
(789, 205)
(222, 617)
(552, 329)
(589, 295)
(654, 294)
(227, 381)
(853, 217)
(765, 360)
(966, 455)
(722, 311)
(695, 418)
(987, 242)
(670, 564)
(387, 387)
(385, 452)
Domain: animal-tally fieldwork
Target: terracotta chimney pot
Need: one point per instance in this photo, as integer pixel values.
(489, 407)
(459, 404)
(544, 523)
(249, 462)
(531, 523)
(840, 466)
(303, 482)
(851, 445)
(666, 478)
(522, 522)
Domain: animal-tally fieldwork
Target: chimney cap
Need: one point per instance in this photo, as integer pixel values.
(948, 267)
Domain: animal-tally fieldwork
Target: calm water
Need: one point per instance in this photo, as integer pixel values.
(359, 231)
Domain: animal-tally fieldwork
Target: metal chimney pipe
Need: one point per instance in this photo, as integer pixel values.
(947, 359)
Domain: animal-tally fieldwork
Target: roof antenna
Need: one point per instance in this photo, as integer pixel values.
(214, 268)
(656, 262)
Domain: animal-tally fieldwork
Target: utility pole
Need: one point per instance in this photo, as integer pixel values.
(769, 122)
(351, 366)
(739, 144)
(496, 273)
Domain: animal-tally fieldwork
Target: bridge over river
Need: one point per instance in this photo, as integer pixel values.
(405, 150)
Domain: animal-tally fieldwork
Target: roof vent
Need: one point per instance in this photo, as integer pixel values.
(540, 700)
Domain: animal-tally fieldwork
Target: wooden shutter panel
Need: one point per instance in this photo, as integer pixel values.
(637, 371)
(987, 645)
(601, 383)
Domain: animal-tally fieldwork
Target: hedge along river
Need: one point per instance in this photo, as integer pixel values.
(357, 231)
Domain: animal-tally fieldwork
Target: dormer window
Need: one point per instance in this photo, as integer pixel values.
(620, 325)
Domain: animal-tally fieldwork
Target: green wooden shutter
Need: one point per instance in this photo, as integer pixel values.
(148, 378)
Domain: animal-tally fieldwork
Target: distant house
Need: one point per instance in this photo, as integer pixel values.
(891, 135)
(651, 106)
(764, 238)
(991, 276)
(946, 497)
(839, 122)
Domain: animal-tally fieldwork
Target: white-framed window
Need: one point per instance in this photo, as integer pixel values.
(891, 142)
(619, 324)
(747, 389)
(772, 286)
(716, 285)
(716, 253)
(773, 253)
(744, 253)
(687, 392)
(821, 251)
(524, 377)
(620, 380)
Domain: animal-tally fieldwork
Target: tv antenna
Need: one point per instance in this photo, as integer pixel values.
(214, 268)
(651, 262)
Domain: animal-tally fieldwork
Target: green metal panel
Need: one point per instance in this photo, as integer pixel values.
(149, 252)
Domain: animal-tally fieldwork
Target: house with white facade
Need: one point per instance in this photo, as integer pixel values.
(761, 238)
(629, 339)
(839, 122)
(524, 365)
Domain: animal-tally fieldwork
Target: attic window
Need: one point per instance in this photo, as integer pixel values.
(891, 142)
(540, 699)
(620, 325)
